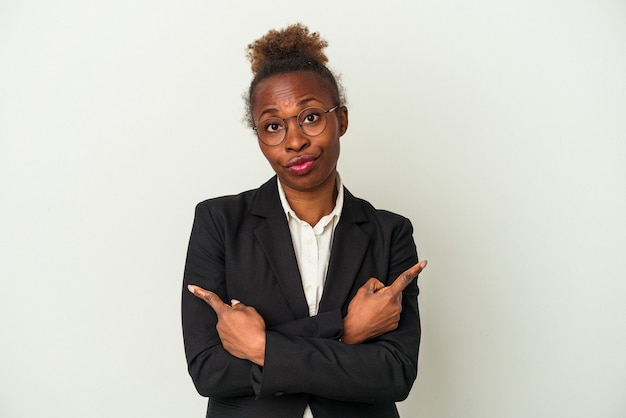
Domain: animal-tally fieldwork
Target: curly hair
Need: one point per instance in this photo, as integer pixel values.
(290, 50)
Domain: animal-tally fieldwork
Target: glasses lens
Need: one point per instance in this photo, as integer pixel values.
(271, 131)
(312, 120)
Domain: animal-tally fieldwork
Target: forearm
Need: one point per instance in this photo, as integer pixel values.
(216, 373)
(327, 325)
(377, 371)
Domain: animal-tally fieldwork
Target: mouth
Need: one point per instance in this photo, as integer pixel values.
(301, 165)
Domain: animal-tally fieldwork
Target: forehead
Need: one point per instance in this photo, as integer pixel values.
(287, 91)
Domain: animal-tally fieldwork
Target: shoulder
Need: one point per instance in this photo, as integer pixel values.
(227, 203)
(363, 210)
(242, 201)
(233, 210)
(390, 235)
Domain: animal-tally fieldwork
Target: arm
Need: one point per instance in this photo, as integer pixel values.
(214, 371)
(382, 369)
(286, 355)
(374, 311)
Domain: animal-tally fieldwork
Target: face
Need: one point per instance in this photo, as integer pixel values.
(303, 163)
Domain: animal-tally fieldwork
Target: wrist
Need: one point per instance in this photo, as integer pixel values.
(258, 354)
(350, 334)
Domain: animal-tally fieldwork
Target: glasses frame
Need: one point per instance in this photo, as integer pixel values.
(255, 128)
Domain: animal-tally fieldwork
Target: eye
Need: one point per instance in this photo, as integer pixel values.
(272, 126)
(310, 116)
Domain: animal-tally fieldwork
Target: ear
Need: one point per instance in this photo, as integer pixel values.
(342, 114)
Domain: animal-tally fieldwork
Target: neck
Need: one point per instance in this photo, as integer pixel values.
(311, 206)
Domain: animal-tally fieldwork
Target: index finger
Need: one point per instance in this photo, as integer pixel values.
(209, 297)
(407, 277)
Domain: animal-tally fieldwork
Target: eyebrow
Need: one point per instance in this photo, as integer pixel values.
(300, 103)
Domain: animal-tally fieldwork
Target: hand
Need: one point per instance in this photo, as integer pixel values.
(375, 309)
(240, 327)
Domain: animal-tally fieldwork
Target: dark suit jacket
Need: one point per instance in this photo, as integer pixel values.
(241, 248)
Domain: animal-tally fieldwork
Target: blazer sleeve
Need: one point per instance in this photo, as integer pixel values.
(214, 371)
(379, 370)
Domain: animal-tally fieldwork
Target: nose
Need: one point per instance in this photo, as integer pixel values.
(295, 139)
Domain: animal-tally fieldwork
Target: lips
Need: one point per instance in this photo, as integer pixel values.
(301, 165)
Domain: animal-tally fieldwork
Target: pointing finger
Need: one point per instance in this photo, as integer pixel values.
(209, 297)
(407, 277)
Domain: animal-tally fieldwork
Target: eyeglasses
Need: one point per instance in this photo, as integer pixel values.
(312, 122)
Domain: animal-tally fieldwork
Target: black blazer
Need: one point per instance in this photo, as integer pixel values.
(241, 248)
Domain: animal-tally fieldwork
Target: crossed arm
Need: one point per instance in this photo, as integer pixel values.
(374, 311)
(224, 359)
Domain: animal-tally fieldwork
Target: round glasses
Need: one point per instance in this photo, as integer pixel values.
(311, 121)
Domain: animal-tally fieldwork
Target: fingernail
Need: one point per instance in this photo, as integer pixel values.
(424, 263)
(190, 287)
(234, 302)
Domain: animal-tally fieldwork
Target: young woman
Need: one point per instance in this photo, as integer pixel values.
(323, 318)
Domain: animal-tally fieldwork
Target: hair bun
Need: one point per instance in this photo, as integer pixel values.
(293, 41)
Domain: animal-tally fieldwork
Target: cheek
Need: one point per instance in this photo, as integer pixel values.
(338, 147)
(333, 148)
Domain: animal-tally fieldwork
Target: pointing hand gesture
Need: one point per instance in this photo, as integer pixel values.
(376, 308)
(240, 327)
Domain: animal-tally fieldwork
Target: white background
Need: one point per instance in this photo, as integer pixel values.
(497, 127)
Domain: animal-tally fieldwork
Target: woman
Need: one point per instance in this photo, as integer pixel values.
(323, 318)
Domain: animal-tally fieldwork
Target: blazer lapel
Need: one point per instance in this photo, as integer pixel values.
(350, 244)
(274, 237)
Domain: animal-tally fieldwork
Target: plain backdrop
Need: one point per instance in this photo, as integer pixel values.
(497, 127)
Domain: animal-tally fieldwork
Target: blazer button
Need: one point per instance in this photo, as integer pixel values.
(279, 393)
